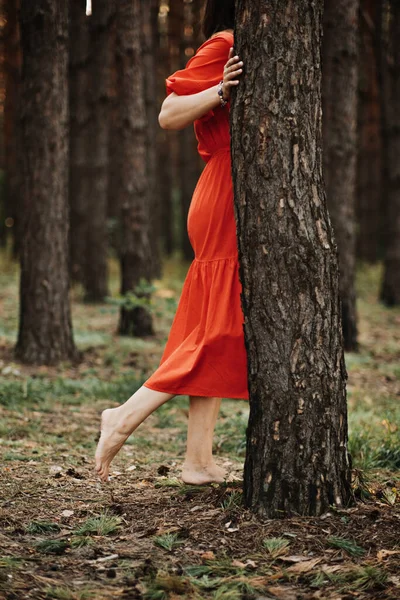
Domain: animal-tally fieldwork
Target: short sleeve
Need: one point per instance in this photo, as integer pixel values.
(204, 69)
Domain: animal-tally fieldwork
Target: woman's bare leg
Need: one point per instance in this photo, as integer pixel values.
(199, 466)
(118, 423)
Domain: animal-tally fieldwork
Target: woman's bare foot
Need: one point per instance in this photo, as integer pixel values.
(200, 475)
(111, 440)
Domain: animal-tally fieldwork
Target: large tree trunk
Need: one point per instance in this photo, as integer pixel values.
(95, 275)
(390, 90)
(369, 160)
(340, 85)
(132, 190)
(45, 331)
(12, 67)
(80, 218)
(150, 44)
(296, 460)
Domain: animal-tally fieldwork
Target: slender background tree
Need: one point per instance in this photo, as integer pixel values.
(389, 34)
(340, 94)
(100, 57)
(79, 189)
(11, 210)
(132, 186)
(369, 222)
(45, 330)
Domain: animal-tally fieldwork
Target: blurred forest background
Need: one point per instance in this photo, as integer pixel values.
(123, 185)
(94, 197)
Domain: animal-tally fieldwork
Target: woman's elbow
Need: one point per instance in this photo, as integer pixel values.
(163, 120)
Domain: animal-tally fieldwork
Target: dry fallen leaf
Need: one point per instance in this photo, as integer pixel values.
(282, 592)
(294, 558)
(305, 566)
(238, 563)
(209, 555)
(384, 553)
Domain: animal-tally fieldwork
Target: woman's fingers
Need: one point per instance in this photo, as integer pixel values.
(232, 69)
(232, 62)
(236, 69)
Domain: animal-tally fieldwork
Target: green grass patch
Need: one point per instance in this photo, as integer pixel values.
(276, 546)
(348, 546)
(168, 541)
(104, 524)
(232, 501)
(35, 527)
(52, 546)
(359, 579)
(66, 593)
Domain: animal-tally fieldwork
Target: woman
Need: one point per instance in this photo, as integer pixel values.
(205, 355)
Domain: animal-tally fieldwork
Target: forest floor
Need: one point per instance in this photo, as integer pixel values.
(146, 534)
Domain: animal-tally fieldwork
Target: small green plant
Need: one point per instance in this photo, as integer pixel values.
(64, 593)
(35, 527)
(102, 525)
(276, 546)
(79, 541)
(360, 578)
(139, 297)
(9, 562)
(348, 546)
(168, 541)
(52, 546)
(232, 501)
(227, 592)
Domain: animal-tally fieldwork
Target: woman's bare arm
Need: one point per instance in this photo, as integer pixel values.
(177, 112)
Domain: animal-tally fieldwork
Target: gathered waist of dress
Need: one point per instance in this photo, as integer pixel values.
(219, 152)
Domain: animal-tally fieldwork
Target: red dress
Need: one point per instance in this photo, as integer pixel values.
(205, 353)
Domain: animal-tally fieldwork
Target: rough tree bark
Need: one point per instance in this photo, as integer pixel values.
(296, 459)
(369, 159)
(132, 190)
(390, 106)
(100, 57)
(45, 330)
(80, 218)
(340, 85)
(12, 68)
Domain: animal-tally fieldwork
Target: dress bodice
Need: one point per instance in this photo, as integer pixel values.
(204, 70)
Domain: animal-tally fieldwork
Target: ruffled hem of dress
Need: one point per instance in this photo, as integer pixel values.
(187, 391)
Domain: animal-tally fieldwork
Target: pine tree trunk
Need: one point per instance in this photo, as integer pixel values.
(189, 163)
(164, 146)
(12, 68)
(296, 458)
(185, 162)
(340, 85)
(96, 274)
(132, 190)
(390, 90)
(149, 44)
(45, 330)
(80, 218)
(369, 160)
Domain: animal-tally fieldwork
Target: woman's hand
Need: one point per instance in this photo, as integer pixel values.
(232, 70)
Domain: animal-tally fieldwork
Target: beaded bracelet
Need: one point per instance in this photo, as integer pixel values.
(221, 94)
